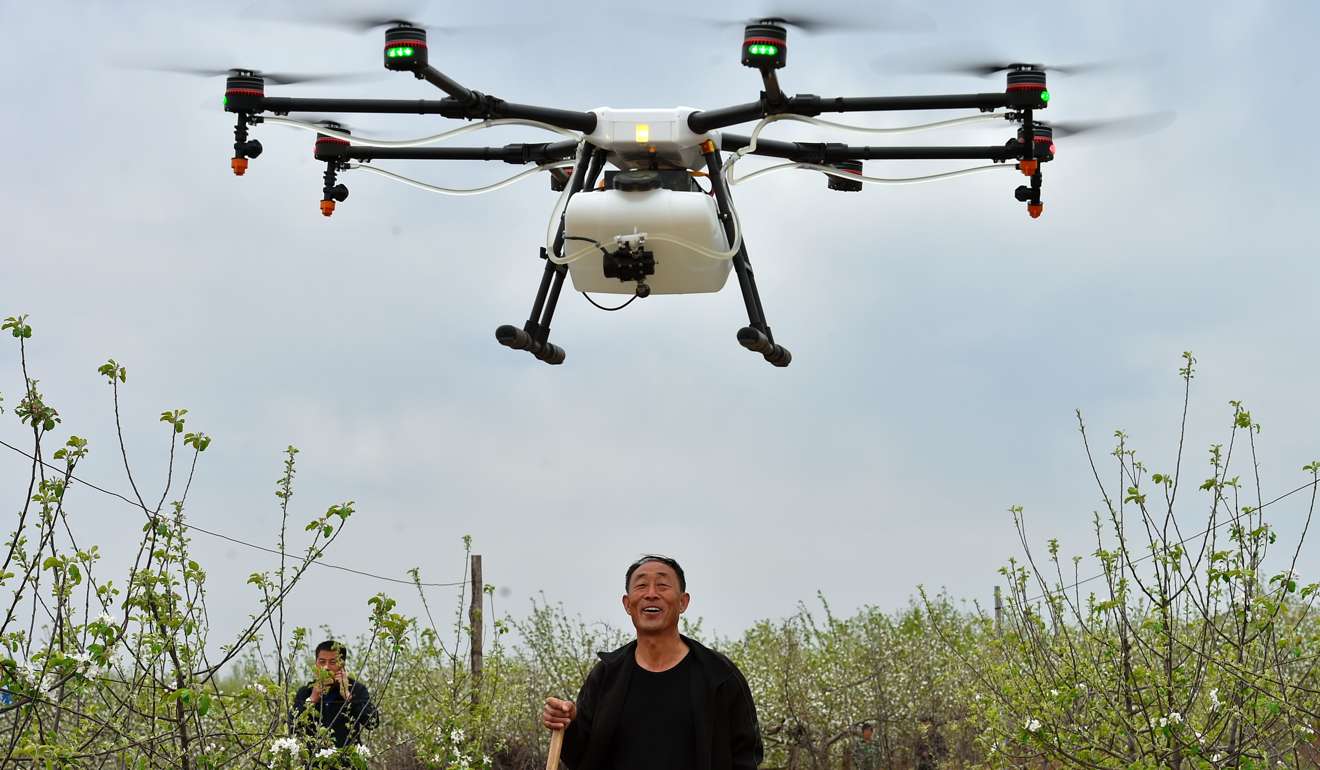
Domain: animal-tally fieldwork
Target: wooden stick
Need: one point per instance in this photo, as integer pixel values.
(556, 743)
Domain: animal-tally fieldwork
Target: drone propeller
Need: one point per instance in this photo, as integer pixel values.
(987, 68)
(398, 17)
(823, 21)
(934, 63)
(274, 78)
(326, 121)
(1114, 128)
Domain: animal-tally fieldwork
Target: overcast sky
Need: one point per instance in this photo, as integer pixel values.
(941, 338)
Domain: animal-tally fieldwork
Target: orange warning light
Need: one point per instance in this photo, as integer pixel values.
(239, 165)
(328, 207)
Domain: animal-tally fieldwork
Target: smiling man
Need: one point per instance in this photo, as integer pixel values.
(664, 701)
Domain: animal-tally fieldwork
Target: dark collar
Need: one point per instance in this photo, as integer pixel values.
(715, 668)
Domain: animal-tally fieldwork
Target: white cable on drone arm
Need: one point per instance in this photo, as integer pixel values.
(896, 129)
(433, 139)
(450, 190)
(834, 172)
(558, 211)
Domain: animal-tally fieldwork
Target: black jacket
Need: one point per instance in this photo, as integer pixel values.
(728, 736)
(344, 719)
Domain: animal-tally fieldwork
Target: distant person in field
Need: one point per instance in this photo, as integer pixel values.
(866, 750)
(334, 708)
(664, 701)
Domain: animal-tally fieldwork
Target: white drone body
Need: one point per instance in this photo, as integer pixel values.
(667, 222)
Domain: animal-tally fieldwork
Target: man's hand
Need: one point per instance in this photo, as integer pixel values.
(316, 693)
(558, 713)
(341, 680)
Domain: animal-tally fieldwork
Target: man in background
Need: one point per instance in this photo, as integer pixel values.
(866, 750)
(332, 709)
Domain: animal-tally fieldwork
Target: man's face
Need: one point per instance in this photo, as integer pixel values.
(329, 661)
(868, 733)
(654, 600)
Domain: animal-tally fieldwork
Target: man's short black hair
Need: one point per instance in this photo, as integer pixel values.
(330, 645)
(673, 564)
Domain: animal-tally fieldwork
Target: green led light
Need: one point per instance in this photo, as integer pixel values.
(224, 102)
(408, 51)
(399, 51)
(1044, 96)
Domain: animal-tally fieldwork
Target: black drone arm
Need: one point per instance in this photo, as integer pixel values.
(485, 108)
(329, 149)
(810, 105)
(821, 152)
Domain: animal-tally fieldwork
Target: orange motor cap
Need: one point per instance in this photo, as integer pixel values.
(327, 207)
(239, 165)
(1029, 167)
(1035, 209)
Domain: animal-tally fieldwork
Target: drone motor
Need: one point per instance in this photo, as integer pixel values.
(765, 45)
(331, 150)
(1027, 87)
(405, 47)
(846, 185)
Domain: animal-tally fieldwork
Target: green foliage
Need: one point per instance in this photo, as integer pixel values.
(1183, 653)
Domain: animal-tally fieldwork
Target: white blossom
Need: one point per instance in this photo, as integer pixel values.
(456, 736)
(1175, 718)
(1214, 699)
(1054, 693)
(105, 618)
(1216, 757)
(287, 745)
(1164, 721)
(363, 751)
(324, 753)
(1032, 725)
(259, 687)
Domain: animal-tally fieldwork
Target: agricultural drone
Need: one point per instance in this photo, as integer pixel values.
(647, 225)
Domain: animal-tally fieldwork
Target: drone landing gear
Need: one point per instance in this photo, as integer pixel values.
(756, 336)
(534, 336)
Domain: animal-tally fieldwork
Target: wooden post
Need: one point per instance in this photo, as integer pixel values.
(999, 609)
(475, 626)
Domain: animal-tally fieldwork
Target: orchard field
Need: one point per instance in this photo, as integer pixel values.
(1184, 640)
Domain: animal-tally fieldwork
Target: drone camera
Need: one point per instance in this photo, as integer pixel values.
(630, 261)
(1027, 88)
(765, 46)
(846, 185)
(405, 48)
